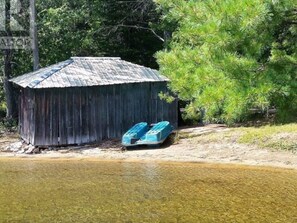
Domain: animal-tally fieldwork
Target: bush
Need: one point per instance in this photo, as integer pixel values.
(2, 110)
(10, 125)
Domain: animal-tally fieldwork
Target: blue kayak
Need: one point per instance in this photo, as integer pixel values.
(141, 134)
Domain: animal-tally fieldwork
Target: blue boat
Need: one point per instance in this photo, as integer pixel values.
(134, 134)
(140, 134)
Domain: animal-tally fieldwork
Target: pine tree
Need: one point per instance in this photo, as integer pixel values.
(227, 57)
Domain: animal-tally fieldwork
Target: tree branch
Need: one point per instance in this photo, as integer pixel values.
(141, 27)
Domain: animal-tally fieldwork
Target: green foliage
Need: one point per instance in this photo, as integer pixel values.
(227, 57)
(8, 125)
(97, 28)
(274, 137)
(192, 116)
(2, 102)
(166, 97)
(66, 28)
(2, 109)
(93, 28)
(129, 29)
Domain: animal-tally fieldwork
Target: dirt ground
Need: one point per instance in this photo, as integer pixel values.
(188, 145)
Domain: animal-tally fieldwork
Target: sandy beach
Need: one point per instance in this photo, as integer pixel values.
(191, 148)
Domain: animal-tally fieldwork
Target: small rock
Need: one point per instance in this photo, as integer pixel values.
(21, 151)
(28, 147)
(32, 150)
(36, 151)
(44, 151)
(14, 147)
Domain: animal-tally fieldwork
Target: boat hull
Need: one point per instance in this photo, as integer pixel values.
(134, 134)
(154, 136)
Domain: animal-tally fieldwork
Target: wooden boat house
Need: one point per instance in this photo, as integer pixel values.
(86, 100)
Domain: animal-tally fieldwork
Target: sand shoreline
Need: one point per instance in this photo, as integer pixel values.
(174, 153)
(189, 150)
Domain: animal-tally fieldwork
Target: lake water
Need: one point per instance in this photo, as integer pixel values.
(95, 191)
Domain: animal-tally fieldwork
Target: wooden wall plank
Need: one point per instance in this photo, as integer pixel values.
(21, 112)
(42, 117)
(76, 115)
(99, 115)
(77, 119)
(119, 112)
(84, 117)
(23, 117)
(124, 99)
(112, 115)
(109, 111)
(27, 109)
(63, 101)
(55, 116)
(47, 117)
(92, 118)
(104, 112)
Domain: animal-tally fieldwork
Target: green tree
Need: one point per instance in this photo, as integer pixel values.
(94, 28)
(98, 28)
(67, 28)
(129, 30)
(91, 28)
(227, 57)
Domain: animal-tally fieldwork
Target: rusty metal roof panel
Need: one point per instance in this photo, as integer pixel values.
(88, 71)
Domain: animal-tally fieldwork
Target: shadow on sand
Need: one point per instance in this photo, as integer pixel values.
(167, 143)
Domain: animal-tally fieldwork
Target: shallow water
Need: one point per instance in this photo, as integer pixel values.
(88, 191)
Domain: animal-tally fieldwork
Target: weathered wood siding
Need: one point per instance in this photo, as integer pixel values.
(91, 114)
(27, 115)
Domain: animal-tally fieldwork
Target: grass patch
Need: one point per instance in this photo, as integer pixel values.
(278, 137)
(275, 137)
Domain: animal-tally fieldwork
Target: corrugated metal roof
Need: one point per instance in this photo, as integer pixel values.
(88, 71)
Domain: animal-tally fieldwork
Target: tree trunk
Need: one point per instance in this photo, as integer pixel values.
(34, 36)
(11, 111)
